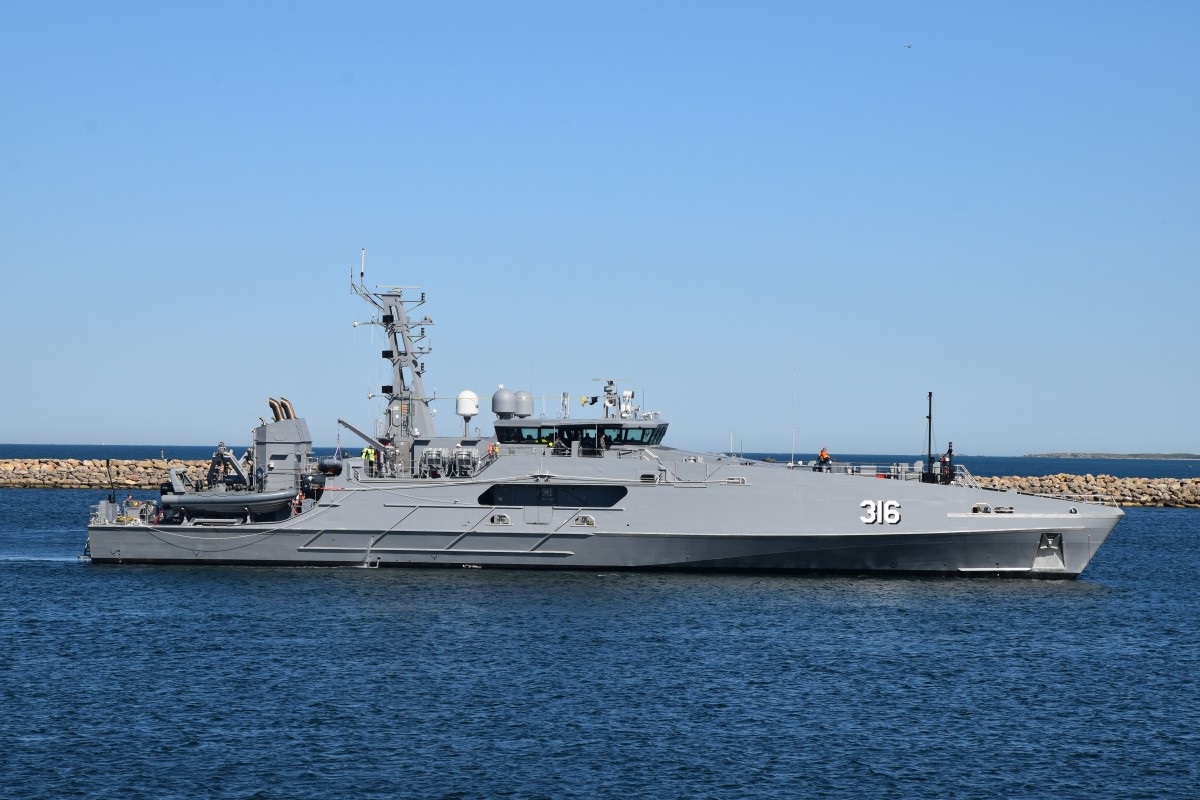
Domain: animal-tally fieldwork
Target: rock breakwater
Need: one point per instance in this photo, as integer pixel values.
(70, 473)
(1131, 492)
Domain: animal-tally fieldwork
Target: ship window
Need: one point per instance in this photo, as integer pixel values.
(981, 508)
(500, 519)
(736, 481)
(570, 495)
(526, 434)
(586, 520)
(637, 435)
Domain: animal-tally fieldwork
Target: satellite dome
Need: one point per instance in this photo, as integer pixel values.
(467, 404)
(524, 404)
(504, 403)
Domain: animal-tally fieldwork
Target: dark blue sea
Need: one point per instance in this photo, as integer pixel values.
(174, 682)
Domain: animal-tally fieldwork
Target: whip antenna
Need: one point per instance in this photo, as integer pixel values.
(112, 489)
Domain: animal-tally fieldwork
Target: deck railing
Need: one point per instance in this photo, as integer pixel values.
(901, 471)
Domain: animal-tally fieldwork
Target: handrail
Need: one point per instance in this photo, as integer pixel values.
(1079, 497)
(903, 471)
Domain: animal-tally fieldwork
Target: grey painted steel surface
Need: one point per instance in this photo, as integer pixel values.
(504, 501)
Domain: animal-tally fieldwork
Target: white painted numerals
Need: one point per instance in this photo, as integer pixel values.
(880, 512)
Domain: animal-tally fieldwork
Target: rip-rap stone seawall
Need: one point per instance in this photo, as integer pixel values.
(69, 473)
(1130, 492)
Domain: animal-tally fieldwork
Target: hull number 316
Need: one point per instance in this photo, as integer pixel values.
(880, 512)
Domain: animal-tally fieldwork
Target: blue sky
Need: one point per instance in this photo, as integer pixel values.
(764, 216)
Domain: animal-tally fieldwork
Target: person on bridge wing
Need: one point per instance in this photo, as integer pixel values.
(824, 459)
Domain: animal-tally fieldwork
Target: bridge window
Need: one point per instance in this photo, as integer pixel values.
(525, 434)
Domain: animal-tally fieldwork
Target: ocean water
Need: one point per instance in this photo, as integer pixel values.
(173, 682)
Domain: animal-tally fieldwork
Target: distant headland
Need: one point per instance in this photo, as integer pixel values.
(1155, 456)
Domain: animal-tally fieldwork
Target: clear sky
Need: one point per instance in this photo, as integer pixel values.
(764, 216)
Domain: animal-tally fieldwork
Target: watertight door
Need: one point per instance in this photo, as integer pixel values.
(541, 510)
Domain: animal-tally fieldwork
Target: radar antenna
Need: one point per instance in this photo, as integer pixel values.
(613, 398)
(408, 414)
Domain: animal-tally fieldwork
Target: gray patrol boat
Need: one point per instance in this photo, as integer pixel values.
(601, 493)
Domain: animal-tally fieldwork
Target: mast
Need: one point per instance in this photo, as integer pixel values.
(945, 471)
(792, 459)
(408, 414)
(929, 435)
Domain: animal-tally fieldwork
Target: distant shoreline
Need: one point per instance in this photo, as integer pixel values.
(1143, 456)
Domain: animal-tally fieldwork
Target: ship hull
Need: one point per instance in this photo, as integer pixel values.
(938, 531)
(1011, 555)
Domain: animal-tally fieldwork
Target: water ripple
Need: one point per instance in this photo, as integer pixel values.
(279, 683)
